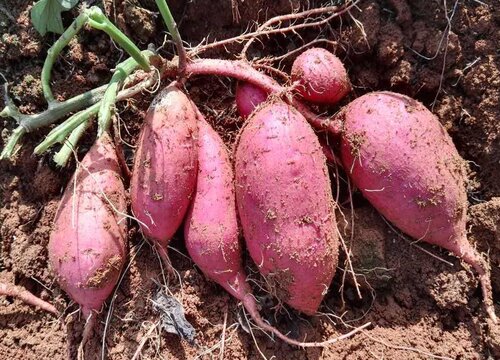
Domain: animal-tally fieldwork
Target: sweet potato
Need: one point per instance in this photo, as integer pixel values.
(87, 248)
(285, 205)
(321, 76)
(404, 162)
(248, 97)
(165, 166)
(211, 229)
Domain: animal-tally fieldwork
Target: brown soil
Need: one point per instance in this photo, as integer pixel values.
(417, 303)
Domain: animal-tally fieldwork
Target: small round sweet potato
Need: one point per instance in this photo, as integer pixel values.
(285, 205)
(321, 75)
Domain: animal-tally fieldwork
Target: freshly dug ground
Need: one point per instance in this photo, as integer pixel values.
(422, 302)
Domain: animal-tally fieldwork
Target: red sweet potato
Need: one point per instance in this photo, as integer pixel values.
(321, 76)
(404, 162)
(248, 97)
(87, 248)
(165, 166)
(211, 227)
(285, 205)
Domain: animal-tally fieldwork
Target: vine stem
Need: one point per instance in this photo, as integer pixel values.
(96, 19)
(99, 21)
(174, 32)
(243, 71)
(108, 101)
(63, 130)
(62, 156)
(55, 50)
(29, 123)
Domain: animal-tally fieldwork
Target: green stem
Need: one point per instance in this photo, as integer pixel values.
(99, 21)
(56, 49)
(122, 71)
(174, 32)
(96, 19)
(60, 109)
(60, 132)
(8, 150)
(69, 145)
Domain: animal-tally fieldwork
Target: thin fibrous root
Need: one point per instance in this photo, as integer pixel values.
(250, 305)
(88, 330)
(337, 11)
(27, 297)
(472, 257)
(261, 31)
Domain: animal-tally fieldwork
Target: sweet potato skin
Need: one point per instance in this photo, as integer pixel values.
(285, 205)
(321, 76)
(248, 97)
(406, 165)
(211, 227)
(165, 165)
(87, 248)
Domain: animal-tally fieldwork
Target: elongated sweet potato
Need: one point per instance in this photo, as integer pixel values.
(404, 162)
(211, 229)
(285, 205)
(165, 166)
(87, 248)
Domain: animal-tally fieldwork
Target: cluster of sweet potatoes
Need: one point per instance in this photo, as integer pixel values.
(278, 188)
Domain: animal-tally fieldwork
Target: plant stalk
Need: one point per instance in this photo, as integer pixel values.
(108, 101)
(69, 145)
(174, 32)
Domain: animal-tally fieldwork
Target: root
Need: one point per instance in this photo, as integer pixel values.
(261, 30)
(472, 257)
(243, 71)
(235, 10)
(348, 261)
(406, 348)
(221, 353)
(414, 243)
(145, 338)
(27, 297)
(251, 306)
(88, 331)
(127, 174)
(134, 253)
(162, 252)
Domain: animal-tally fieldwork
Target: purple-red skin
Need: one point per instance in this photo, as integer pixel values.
(211, 227)
(321, 76)
(285, 205)
(248, 97)
(87, 248)
(165, 166)
(405, 163)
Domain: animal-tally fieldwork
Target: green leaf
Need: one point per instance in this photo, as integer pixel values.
(46, 15)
